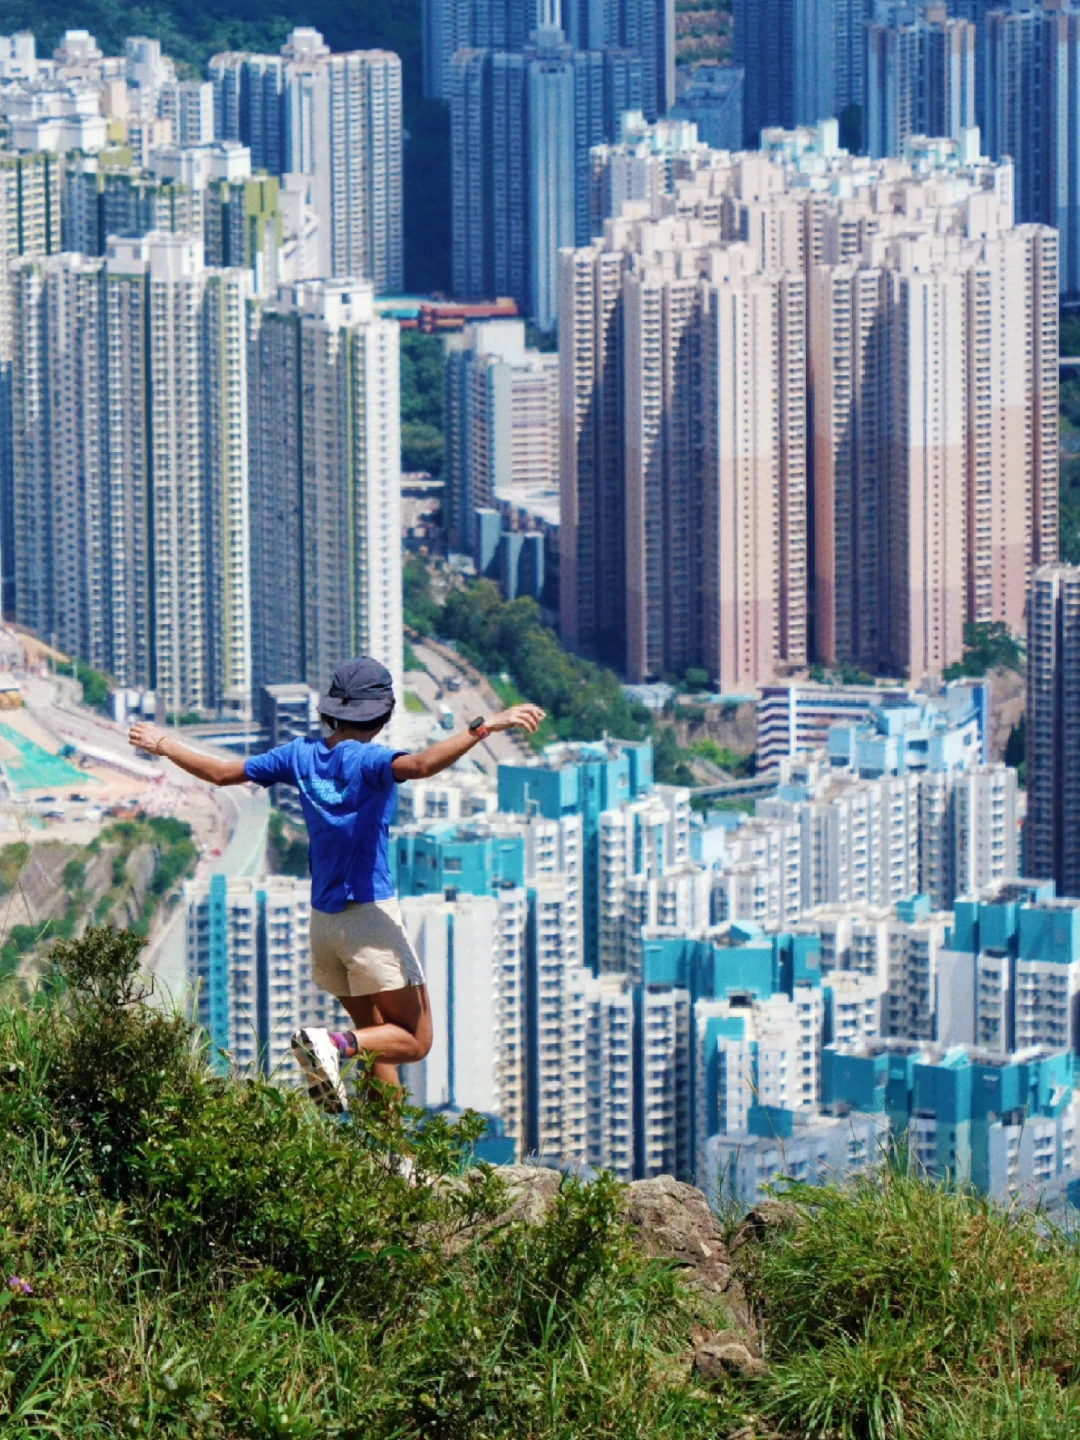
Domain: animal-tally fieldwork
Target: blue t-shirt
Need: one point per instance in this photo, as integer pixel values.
(348, 796)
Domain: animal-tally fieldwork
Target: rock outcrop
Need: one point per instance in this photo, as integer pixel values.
(671, 1221)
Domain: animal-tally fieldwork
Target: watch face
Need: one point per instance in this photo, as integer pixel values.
(476, 724)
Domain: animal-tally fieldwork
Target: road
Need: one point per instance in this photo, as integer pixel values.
(233, 822)
(245, 855)
(475, 697)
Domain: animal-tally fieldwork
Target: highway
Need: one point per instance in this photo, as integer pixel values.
(244, 855)
(475, 697)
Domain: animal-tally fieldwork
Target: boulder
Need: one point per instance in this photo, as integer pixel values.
(672, 1221)
(731, 1360)
(769, 1215)
(669, 1221)
(531, 1191)
(740, 1336)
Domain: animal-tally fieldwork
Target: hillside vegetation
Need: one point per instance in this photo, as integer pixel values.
(186, 1254)
(53, 890)
(584, 700)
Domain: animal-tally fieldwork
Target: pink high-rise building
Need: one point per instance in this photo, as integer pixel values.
(934, 374)
(800, 343)
(698, 428)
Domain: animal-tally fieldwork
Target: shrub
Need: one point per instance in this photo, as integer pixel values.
(199, 1255)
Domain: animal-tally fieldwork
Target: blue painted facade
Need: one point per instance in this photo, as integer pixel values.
(217, 981)
(752, 963)
(470, 859)
(581, 780)
(915, 736)
(965, 1093)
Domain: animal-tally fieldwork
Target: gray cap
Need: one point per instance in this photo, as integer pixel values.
(361, 690)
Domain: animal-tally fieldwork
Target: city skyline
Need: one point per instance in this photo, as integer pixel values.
(745, 410)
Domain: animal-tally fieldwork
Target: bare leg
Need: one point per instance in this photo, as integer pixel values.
(364, 1013)
(393, 1027)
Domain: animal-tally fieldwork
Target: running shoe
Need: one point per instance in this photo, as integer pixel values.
(320, 1060)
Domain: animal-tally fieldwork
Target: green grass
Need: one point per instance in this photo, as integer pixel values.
(210, 1259)
(903, 1309)
(414, 705)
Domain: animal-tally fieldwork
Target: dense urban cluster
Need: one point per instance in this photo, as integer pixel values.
(749, 371)
(199, 395)
(623, 984)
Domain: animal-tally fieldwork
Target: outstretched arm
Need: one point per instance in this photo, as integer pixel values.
(216, 770)
(443, 753)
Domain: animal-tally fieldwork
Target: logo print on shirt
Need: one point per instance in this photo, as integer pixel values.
(324, 792)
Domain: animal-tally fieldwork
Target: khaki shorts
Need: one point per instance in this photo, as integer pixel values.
(363, 950)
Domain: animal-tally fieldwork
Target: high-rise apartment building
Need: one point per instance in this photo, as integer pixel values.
(917, 349)
(501, 417)
(641, 31)
(714, 102)
(683, 432)
(920, 76)
(30, 212)
(100, 200)
(923, 311)
(804, 60)
(249, 105)
(897, 805)
(1029, 71)
(523, 124)
(448, 26)
(131, 464)
(1009, 977)
(189, 106)
(644, 165)
(587, 781)
(509, 890)
(473, 950)
(249, 969)
(325, 483)
(1005, 1124)
(336, 118)
(1052, 831)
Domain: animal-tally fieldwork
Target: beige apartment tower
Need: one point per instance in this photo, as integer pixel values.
(683, 455)
(325, 483)
(130, 467)
(343, 127)
(933, 369)
(799, 383)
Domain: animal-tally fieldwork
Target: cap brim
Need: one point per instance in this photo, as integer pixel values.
(357, 710)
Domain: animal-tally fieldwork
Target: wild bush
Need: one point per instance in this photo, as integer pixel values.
(191, 1253)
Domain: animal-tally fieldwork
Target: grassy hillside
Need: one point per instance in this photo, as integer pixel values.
(53, 890)
(186, 1255)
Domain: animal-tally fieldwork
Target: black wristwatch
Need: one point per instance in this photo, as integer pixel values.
(478, 728)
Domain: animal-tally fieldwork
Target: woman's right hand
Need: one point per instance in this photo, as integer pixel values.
(144, 736)
(519, 717)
